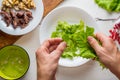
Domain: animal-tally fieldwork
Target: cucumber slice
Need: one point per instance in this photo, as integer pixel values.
(14, 62)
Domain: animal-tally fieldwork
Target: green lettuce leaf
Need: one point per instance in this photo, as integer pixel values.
(109, 5)
(75, 35)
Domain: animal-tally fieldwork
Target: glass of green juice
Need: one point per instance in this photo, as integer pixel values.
(14, 62)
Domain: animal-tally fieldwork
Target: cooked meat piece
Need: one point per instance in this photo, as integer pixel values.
(21, 18)
(26, 19)
(7, 21)
(20, 14)
(21, 21)
(14, 22)
(6, 17)
(13, 14)
(5, 14)
(23, 25)
(29, 14)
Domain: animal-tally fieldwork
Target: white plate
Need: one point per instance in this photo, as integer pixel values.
(37, 16)
(72, 15)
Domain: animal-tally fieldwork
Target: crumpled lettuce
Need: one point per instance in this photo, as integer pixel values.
(109, 5)
(75, 35)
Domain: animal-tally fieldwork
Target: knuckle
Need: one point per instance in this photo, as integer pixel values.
(98, 34)
(111, 41)
(111, 44)
(57, 54)
(54, 57)
(100, 52)
(38, 52)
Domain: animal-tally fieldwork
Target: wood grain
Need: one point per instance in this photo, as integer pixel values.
(50, 4)
(6, 39)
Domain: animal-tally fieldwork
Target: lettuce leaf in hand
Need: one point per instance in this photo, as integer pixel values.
(75, 35)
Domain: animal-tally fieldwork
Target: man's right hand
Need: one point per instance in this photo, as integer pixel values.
(108, 52)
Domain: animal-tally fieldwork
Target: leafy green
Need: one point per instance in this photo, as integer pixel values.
(109, 5)
(75, 35)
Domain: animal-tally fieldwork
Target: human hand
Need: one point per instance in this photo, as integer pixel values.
(47, 58)
(108, 52)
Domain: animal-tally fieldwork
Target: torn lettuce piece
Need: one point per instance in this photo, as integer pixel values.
(109, 5)
(75, 35)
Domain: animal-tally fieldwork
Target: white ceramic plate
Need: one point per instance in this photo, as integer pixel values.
(72, 15)
(37, 16)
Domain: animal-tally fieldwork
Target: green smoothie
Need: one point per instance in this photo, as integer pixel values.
(14, 62)
(109, 5)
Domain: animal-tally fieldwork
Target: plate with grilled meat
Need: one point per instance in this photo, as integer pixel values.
(18, 17)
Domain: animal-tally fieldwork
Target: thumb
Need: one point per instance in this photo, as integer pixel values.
(59, 50)
(94, 44)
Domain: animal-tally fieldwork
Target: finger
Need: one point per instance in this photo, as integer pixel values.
(94, 44)
(103, 38)
(42, 50)
(53, 47)
(51, 41)
(59, 50)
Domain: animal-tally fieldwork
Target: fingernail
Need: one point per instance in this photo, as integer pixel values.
(90, 38)
(65, 43)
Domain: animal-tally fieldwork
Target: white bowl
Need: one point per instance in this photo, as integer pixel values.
(72, 15)
(37, 16)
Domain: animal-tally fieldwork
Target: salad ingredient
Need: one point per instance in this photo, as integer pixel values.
(115, 33)
(18, 4)
(20, 18)
(14, 62)
(75, 35)
(109, 5)
(6, 17)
